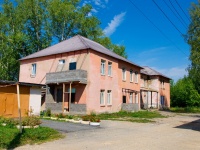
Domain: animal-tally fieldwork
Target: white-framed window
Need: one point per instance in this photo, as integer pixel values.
(109, 97)
(136, 98)
(131, 75)
(103, 63)
(123, 74)
(136, 77)
(102, 97)
(33, 70)
(109, 68)
(131, 98)
(62, 61)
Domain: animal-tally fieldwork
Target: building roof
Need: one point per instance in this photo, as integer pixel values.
(151, 72)
(74, 44)
(20, 83)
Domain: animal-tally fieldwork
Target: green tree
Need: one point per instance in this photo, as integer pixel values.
(27, 26)
(184, 94)
(193, 39)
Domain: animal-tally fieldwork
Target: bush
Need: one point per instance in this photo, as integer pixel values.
(31, 121)
(48, 112)
(94, 119)
(11, 123)
(86, 118)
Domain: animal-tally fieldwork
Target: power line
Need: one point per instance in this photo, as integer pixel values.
(175, 14)
(182, 10)
(157, 27)
(177, 11)
(167, 17)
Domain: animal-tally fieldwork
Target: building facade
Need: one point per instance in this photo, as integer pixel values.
(82, 76)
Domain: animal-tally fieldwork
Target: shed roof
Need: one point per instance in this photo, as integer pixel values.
(149, 71)
(20, 83)
(74, 44)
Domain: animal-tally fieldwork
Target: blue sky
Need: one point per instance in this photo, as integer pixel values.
(145, 45)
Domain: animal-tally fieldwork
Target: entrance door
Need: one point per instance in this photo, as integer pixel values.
(59, 95)
(124, 99)
(162, 100)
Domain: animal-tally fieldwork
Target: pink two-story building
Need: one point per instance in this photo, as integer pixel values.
(83, 76)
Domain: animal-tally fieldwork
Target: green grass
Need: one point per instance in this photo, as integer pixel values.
(185, 109)
(11, 138)
(140, 117)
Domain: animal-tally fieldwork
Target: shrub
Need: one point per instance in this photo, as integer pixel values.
(31, 121)
(70, 117)
(60, 115)
(94, 119)
(86, 118)
(48, 112)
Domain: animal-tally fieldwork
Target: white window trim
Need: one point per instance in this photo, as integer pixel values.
(131, 98)
(136, 77)
(33, 70)
(103, 67)
(123, 74)
(109, 94)
(131, 76)
(110, 66)
(102, 104)
(62, 61)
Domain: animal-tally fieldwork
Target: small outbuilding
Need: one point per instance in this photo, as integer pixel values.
(15, 96)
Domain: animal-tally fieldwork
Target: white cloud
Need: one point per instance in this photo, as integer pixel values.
(151, 51)
(115, 22)
(94, 10)
(106, 1)
(174, 73)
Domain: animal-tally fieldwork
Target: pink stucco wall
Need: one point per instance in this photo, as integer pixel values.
(89, 94)
(97, 82)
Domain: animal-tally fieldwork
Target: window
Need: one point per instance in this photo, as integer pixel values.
(62, 61)
(102, 97)
(103, 67)
(109, 68)
(162, 84)
(136, 98)
(33, 69)
(131, 98)
(162, 100)
(109, 97)
(131, 76)
(136, 77)
(72, 66)
(124, 74)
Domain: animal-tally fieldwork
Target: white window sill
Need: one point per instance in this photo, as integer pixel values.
(102, 105)
(131, 81)
(109, 105)
(102, 74)
(124, 80)
(110, 76)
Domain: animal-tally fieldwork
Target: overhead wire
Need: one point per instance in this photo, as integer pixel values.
(175, 14)
(167, 17)
(182, 10)
(157, 27)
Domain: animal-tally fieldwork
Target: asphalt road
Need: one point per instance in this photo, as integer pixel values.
(67, 127)
(177, 132)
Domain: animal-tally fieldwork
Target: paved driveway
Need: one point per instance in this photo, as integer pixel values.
(66, 126)
(178, 132)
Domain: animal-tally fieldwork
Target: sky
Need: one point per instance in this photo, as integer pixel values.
(153, 38)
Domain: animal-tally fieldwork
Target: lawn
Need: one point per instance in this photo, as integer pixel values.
(140, 117)
(11, 138)
(185, 109)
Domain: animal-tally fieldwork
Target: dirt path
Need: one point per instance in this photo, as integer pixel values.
(178, 132)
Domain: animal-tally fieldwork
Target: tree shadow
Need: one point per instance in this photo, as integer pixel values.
(194, 125)
(15, 142)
